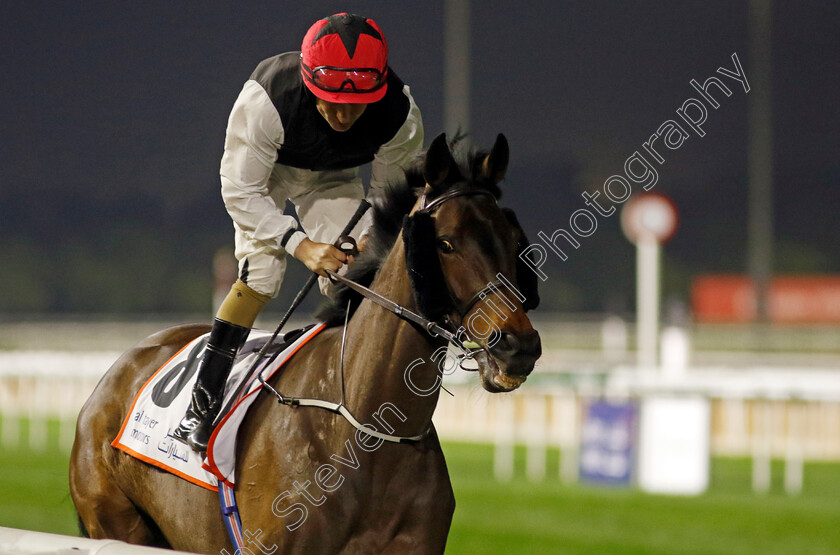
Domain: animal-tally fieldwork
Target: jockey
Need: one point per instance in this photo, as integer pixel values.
(299, 130)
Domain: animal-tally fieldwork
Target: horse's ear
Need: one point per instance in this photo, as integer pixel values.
(495, 165)
(438, 162)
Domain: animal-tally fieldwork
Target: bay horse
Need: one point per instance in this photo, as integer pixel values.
(303, 484)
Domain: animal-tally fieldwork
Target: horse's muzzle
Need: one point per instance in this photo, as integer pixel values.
(518, 352)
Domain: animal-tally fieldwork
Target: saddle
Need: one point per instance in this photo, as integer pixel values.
(163, 399)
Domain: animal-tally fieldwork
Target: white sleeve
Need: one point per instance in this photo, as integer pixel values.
(254, 133)
(395, 155)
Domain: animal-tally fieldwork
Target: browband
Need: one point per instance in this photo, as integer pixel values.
(452, 193)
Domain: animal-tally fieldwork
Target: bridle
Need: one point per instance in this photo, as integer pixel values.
(460, 190)
(468, 347)
(443, 330)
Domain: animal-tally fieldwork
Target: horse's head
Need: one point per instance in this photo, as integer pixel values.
(462, 254)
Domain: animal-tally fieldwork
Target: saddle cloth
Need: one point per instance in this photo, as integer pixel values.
(162, 401)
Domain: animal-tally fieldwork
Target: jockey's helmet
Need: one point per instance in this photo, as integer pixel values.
(344, 59)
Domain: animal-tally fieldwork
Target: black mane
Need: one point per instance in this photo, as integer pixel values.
(390, 205)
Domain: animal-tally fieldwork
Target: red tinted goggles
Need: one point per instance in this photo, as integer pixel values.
(343, 79)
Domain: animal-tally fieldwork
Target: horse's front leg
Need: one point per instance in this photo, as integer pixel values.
(427, 533)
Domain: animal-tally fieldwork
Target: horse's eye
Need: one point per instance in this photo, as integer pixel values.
(445, 246)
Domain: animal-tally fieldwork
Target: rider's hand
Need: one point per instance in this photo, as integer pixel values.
(320, 257)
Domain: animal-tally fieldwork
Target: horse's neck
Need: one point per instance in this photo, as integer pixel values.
(380, 347)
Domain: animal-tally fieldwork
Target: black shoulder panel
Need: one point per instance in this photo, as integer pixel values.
(310, 143)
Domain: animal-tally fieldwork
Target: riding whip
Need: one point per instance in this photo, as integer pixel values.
(360, 211)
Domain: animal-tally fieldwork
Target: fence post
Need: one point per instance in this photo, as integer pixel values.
(535, 415)
(10, 432)
(37, 420)
(567, 413)
(761, 447)
(794, 462)
(503, 453)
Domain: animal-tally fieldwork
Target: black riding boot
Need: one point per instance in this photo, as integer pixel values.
(196, 427)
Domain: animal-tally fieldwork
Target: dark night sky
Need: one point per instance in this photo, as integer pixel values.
(116, 113)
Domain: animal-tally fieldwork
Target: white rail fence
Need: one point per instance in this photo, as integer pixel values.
(763, 413)
(42, 386)
(24, 542)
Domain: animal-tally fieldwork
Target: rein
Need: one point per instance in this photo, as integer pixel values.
(341, 408)
(432, 328)
(469, 347)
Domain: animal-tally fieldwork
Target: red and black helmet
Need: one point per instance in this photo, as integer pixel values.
(344, 59)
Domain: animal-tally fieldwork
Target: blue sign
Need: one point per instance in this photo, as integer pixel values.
(608, 443)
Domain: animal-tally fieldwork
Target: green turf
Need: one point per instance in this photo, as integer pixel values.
(550, 517)
(34, 491)
(521, 517)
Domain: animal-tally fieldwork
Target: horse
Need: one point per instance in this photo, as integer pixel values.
(440, 247)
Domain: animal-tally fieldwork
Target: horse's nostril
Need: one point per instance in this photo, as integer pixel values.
(532, 344)
(520, 350)
(507, 344)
